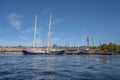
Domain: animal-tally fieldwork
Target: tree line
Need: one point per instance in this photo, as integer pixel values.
(111, 47)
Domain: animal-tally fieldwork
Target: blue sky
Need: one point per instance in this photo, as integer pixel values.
(73, 19)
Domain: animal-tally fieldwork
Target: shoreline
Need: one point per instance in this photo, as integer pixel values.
(15, 50)
(68, 53)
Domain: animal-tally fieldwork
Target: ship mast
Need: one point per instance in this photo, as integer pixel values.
(34, 45)
(92, 41)
(48, 42)
(87, 41)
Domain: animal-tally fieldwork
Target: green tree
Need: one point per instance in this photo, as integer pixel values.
(110, 47)
(103, 47)
(54, 45)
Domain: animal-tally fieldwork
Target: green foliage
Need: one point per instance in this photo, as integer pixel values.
(103, 46)
(110, 47)
(93, 47)
(54, 45)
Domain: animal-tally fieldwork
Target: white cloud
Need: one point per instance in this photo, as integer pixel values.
(7, 43)
(23, 38)
(29, 30)
(59, 20)
(55, 40)
(58, 41)
(14, 43)
(15, 20)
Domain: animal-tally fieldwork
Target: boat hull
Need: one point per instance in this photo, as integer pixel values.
(25, 52)
(61, 52)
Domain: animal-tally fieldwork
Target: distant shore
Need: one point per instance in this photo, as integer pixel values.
(15, 50)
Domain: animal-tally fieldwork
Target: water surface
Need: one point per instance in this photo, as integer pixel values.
(67, 67)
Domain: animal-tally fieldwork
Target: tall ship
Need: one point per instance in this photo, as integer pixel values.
(48, 51)
(34, 50)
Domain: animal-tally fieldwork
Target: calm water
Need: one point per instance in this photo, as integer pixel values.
(67, 67)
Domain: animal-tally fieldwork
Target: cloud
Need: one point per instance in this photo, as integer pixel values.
(58, 41)
(15, 20)
(29, 30)
(7, 43)
(59, 20)
(23, 38)
(55, 40)
(14, 43)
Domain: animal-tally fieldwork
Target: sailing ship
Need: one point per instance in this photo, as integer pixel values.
(48, 51)
(35, 50)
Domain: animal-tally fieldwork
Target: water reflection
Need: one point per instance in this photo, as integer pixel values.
(101, 58)
(104, 59)
(67, 67)
(41, 67)
(49, 68)
(33, 66)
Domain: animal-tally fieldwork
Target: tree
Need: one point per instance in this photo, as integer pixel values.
(110, 47)
(54, 45)
(103, 47)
